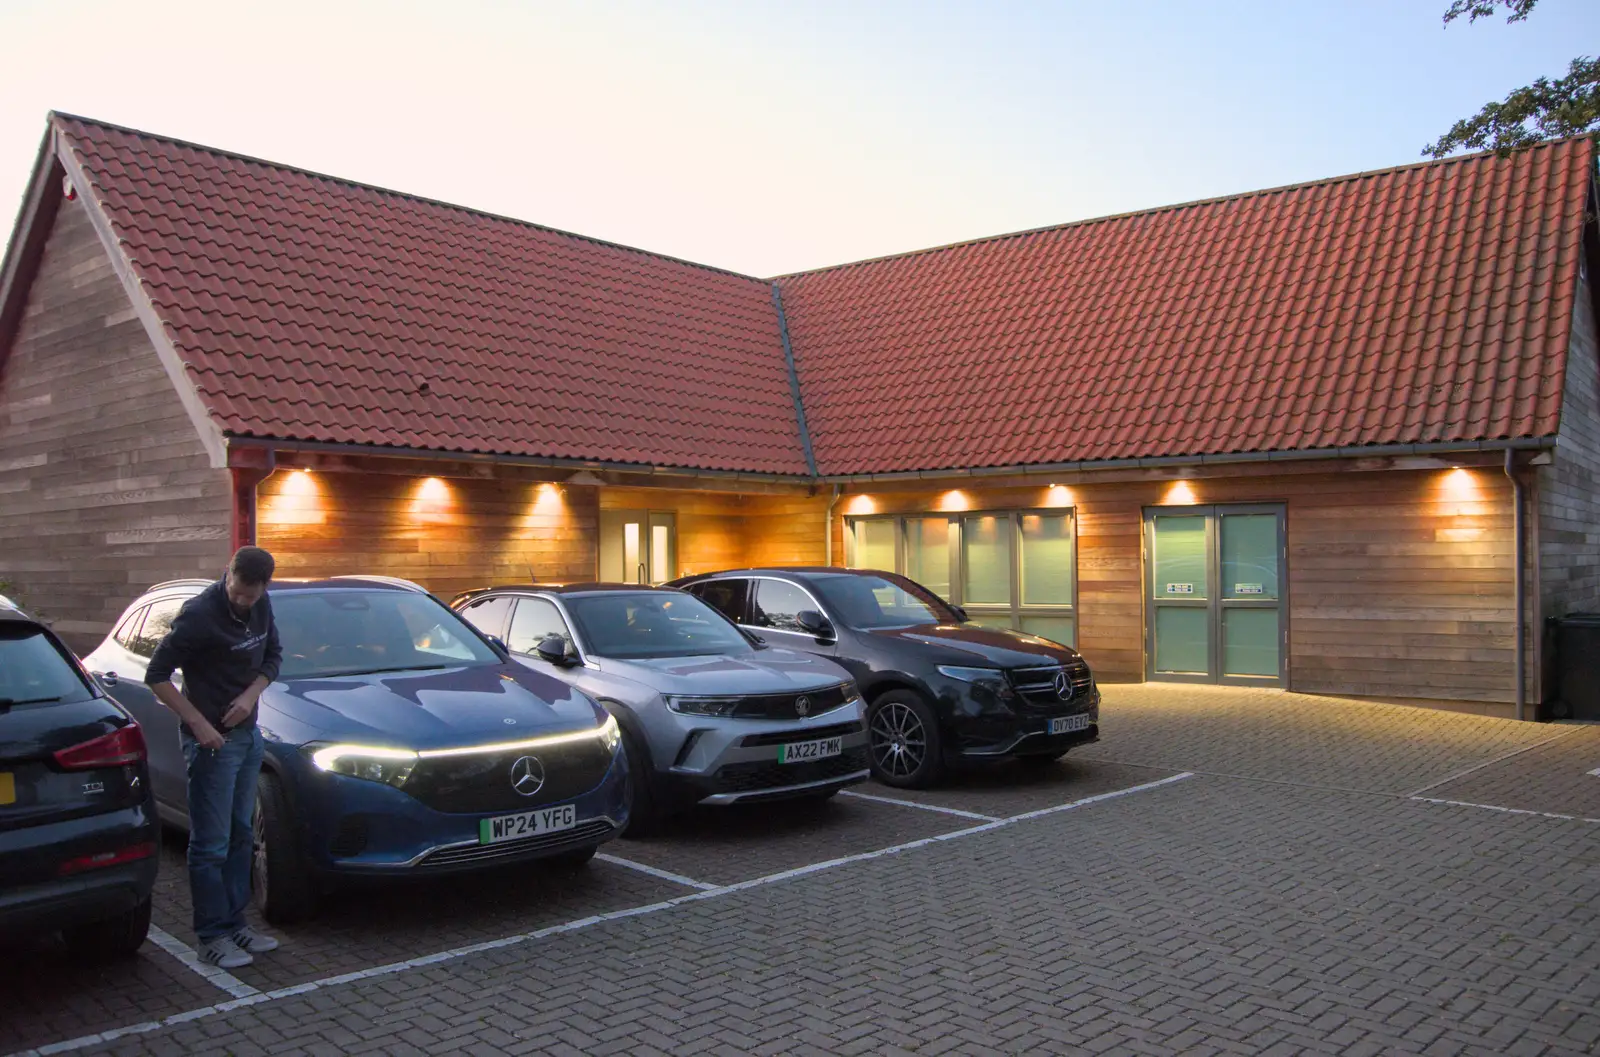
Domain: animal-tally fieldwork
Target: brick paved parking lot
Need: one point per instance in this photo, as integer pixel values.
(1227, 871)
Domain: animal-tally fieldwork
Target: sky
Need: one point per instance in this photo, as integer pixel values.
(771, 137)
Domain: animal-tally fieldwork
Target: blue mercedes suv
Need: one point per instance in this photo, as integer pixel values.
(400, 741)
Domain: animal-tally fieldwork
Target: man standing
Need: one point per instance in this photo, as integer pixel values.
(226, 643)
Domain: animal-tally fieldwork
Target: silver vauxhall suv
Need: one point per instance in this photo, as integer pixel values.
(709, 713)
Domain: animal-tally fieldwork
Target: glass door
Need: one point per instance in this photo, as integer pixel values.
(638, 547)
(1215, 590)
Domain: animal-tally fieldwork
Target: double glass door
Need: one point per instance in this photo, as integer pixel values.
(638, 547)
(1215, 590)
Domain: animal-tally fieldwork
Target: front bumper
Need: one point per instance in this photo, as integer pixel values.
(727, 761)
(983, 725)
(354, 827)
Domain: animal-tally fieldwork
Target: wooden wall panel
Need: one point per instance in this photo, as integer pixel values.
(104, 486)
(1400, 581)
(1569, 490)
(450, 535)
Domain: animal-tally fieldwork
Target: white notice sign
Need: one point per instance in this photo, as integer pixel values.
(1247, 589)
(1180, 589)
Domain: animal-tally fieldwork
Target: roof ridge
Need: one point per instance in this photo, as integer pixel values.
(423, 199)
(1326, 181)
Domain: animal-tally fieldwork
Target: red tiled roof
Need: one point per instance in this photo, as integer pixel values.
(310, 308)
(1429, 303)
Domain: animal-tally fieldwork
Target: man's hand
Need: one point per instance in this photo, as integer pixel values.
(241, 708)
(207, 736)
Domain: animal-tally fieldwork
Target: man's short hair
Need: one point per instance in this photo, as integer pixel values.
(252, 565)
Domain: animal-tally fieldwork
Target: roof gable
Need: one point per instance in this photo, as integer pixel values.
(1425, 304)
(311, 308)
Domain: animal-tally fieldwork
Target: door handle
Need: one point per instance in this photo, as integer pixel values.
(109, 678)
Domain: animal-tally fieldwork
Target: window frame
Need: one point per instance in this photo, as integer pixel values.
(1016, 611)
(517, 602)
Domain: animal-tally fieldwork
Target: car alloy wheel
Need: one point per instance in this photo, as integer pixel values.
(259, 872)
(899, 740)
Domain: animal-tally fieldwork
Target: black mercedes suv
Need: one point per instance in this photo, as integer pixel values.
(78, 830)
(938, 689)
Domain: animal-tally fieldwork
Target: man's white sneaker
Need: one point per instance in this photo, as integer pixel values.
(224, 953)
(248, 939)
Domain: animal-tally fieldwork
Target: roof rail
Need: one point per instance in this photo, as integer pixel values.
(188, 581)
(392, 581)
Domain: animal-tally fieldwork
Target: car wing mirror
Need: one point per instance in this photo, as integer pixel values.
(814, 623)
(552, 649)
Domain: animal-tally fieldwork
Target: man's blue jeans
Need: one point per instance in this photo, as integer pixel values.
(222, 800)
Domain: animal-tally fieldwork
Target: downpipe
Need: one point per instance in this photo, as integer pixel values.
(827, 529)
(1519, 535)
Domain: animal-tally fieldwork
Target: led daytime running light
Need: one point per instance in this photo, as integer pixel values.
(325, 758)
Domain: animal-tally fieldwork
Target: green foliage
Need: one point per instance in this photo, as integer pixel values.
(1545, 109)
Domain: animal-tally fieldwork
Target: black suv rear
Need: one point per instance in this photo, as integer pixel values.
(78, 830)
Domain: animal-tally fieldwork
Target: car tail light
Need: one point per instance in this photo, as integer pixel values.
(124, 745)
(107, 858)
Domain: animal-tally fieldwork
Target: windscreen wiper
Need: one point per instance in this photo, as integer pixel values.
(7, 702)
(386, 671)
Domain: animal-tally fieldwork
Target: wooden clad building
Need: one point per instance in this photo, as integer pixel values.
(1302, 438)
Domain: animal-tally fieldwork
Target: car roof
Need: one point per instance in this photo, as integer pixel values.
(789, 570)
(565, 590)
(279, 585)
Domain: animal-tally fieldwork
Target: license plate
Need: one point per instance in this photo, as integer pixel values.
(801, 751)
(527, 824)
(1068, 724)
(8, 788)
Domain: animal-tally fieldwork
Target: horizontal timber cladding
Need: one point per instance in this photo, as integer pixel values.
(105, 487)
(448, 534)
(1400, 581)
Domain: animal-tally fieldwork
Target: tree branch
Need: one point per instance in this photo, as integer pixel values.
(1544, 110)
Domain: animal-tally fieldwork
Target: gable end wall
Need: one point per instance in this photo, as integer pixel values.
(104, 486)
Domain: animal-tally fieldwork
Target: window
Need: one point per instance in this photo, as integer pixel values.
(728, 597)
(488, 615)
(1008, 569)
(536, 620)
(778, 605)
(655, 624)
(127, 633)
(34, 671)
(157, 622)
(868, 602)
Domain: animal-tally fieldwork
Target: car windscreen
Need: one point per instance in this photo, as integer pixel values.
(328, 633)
(34, 671)
(653, 624)
(869, 602)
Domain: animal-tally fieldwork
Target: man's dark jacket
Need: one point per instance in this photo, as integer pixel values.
(219, 653)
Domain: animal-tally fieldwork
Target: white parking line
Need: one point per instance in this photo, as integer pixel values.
(665, 875)
(913, 803)
(1506, 810)
(1417, 793)
(213, 975)
(454, 954)
(1596, 772)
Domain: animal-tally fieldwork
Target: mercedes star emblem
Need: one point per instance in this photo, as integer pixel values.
(527, 775)
(802, 706)
(1064, 688)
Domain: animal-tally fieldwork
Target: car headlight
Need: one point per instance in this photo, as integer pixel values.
(371, 762)
(970, 675)
(610, 734)
(703, 706)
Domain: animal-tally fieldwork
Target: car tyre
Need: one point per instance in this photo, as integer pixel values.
(644, 805)
(284, 888)
(903, 741)
(118, 937)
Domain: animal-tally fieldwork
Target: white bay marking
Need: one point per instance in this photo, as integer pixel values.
(214, 975)
(665, 875)
(912, 803)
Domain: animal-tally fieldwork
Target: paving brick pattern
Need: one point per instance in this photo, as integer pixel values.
(1553, 777)
(1265, 913)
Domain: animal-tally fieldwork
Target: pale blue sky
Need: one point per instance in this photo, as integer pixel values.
(770, 137)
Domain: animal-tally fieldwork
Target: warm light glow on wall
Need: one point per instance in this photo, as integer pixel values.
(1460, 485)
(1057, 495)
(549, 501)
(861, 504)
(1179, 494)
(432, 500)
(1461, 494)
(955, 499)
(297, 500)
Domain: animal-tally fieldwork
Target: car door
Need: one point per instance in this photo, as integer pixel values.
(775, 606)
(729, 596)
(120, 665)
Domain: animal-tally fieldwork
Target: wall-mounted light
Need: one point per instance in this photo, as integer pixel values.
(1057, 495)
(955, 499)
(861, 504)
(549, 499)
(1179, 493)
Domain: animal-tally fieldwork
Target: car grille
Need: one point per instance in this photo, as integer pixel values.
(1036, 688)
(786, 706)
(769, 774)
(481, 782)
(592, 832)
(836, 730)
